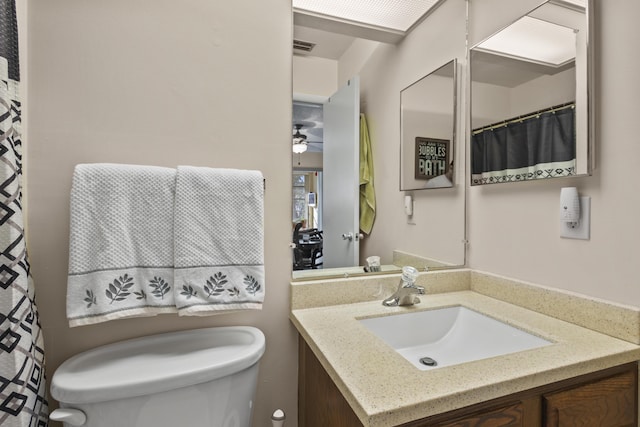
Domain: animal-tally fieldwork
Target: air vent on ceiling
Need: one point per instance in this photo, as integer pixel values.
(302, 46)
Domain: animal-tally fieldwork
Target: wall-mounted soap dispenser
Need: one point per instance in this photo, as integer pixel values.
(575, 214)
(408, 205)
(570, 206)
(408, 208)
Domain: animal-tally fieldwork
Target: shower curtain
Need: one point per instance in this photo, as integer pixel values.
(22, 378)
(543, 145)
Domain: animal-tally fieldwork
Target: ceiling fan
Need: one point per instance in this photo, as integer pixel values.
(299, 140)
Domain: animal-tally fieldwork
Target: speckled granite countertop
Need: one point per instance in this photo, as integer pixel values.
(384, 389)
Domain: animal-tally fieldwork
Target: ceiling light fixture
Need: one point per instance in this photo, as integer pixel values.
(299, 140)
(398, 15)
(299, 147)
(534, 40)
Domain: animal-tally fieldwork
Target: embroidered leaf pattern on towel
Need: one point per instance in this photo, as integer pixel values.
(90, 299)
(119, 289)
(188, 291)
(251, 284)
(141, 295)
(234, 292)
(215, 284)
(160, 287)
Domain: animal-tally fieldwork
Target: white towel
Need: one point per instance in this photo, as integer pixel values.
(219, 240)
(121, 242)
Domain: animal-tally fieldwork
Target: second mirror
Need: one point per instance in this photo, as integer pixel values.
(529, 98)
(427, 130)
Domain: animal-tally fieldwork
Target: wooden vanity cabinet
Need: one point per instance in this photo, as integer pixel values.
(608, 402)
(320, 403)
(607, 398)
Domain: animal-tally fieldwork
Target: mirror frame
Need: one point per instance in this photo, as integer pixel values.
(585, 109)
(454, 123)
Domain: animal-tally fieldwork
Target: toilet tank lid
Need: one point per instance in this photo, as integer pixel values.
(156, 363)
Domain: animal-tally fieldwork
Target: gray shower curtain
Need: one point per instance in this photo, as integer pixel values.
(22, 378)
(543, 145)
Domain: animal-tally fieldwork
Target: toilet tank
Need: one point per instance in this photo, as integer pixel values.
(195, 378)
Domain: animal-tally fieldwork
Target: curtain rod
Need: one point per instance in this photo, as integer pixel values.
(553, 109)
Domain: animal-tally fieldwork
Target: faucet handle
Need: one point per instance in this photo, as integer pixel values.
(409, 274)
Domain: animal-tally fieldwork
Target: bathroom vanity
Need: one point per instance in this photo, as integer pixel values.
(351, 377)
(606, 398)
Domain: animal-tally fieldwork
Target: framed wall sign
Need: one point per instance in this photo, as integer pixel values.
(432, 157)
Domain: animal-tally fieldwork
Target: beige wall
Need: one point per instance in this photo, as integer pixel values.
(514, 228)
(314, 76)
(493, 103)
(162, 83)
(307, 160)
(354, 59)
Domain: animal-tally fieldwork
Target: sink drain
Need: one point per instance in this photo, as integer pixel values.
(427, 361)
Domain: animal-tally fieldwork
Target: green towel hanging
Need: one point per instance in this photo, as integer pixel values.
(367, 190)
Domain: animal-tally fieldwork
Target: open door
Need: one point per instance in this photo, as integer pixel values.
(341, 157)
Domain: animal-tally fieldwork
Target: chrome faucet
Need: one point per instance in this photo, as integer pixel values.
(407, 289)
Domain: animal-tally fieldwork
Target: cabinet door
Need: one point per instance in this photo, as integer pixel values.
(610, 402)
(510, 416)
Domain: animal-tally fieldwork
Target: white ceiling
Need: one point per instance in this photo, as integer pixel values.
(310, 116)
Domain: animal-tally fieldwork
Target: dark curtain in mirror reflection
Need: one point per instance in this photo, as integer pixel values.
(537, 146)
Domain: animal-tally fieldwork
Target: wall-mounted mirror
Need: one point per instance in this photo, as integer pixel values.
(530, 97)
(434, 236)
(427, 130)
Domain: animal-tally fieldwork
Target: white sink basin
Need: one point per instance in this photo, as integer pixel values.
(449, 336)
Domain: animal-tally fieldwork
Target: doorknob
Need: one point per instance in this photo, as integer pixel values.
(347, 236)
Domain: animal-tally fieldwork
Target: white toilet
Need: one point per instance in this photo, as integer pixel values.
(196, 378)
